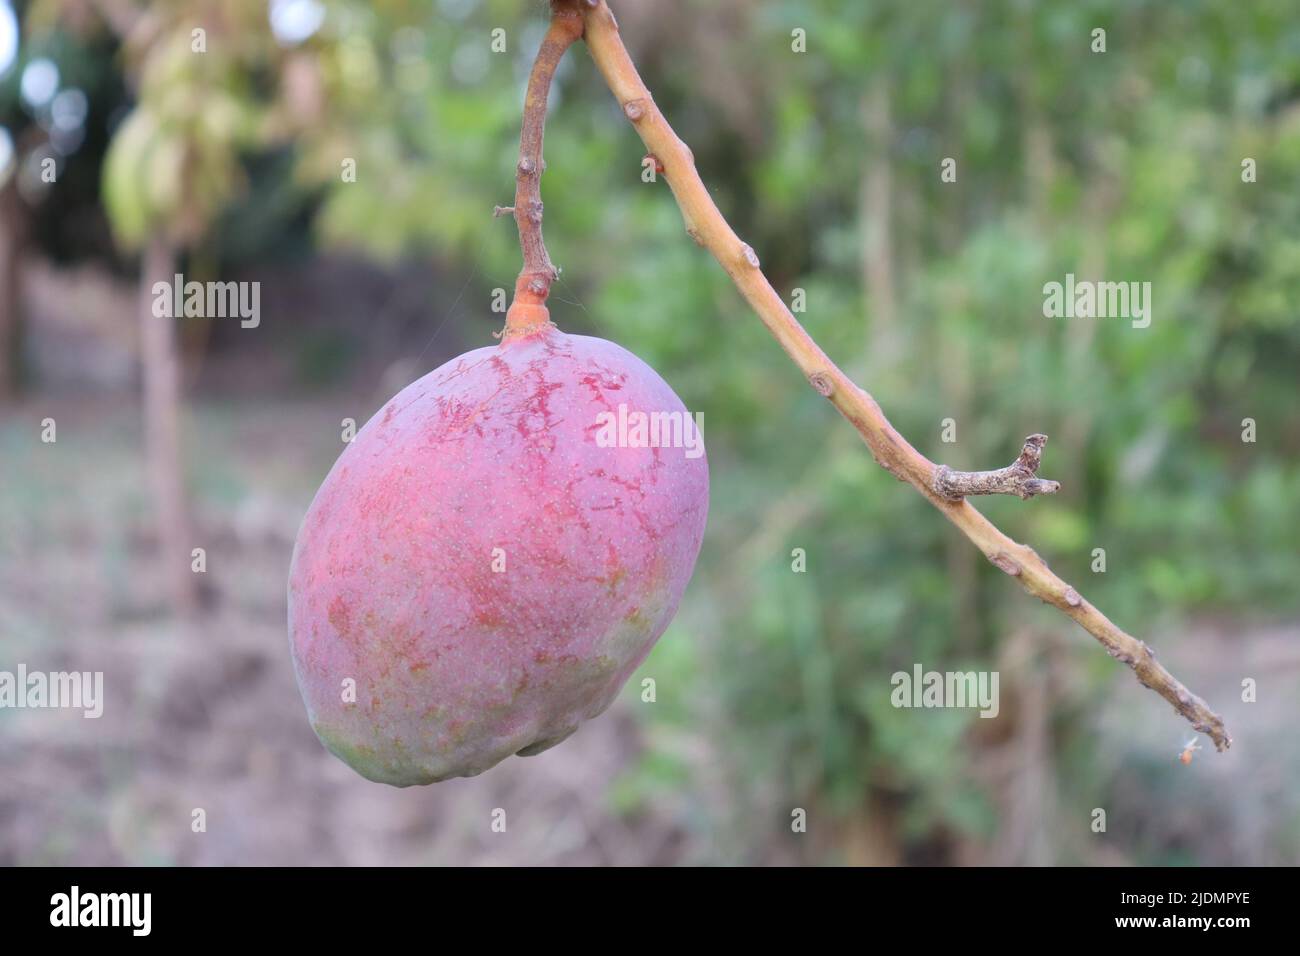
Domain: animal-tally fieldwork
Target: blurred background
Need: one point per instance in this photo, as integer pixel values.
(127, 151)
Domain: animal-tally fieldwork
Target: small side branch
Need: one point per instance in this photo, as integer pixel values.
(1018, 478)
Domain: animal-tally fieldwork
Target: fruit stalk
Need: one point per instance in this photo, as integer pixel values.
(706, 225)
(528, 309)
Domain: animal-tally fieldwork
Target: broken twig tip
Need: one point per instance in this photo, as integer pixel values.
(1020, 478)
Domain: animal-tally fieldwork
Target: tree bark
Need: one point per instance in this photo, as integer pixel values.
(13, 227)
(162, 418)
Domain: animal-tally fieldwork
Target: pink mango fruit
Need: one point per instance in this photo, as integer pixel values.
(489, 560)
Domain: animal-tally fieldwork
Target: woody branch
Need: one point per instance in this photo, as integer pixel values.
(944, 488)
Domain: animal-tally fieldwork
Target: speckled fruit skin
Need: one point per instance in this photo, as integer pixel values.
(458, 666)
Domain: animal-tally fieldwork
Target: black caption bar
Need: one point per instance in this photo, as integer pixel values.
(215, 906)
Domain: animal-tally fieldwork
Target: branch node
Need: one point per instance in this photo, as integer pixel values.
(751, 258)
(1006, 564)
(822, 382)
(634, 109)
(1072, 597)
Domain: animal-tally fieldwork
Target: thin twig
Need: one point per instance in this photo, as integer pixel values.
(528, 310)
(706, 226)
(1018, 478)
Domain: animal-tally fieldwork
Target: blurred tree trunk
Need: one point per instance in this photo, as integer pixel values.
(162, 414)
(13, 227)
(877, 227)
(956, 365)
(1080, 350)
